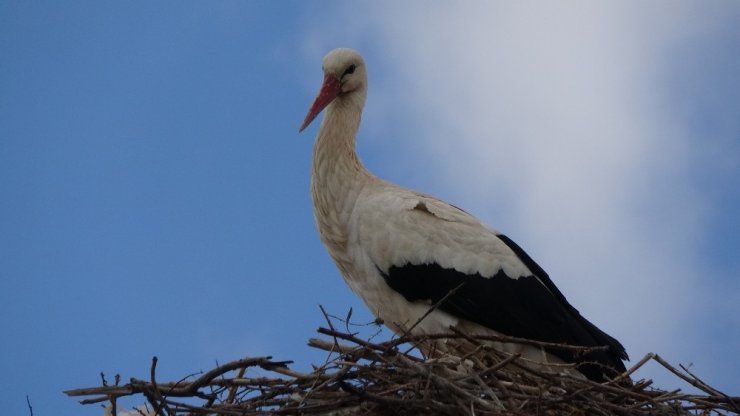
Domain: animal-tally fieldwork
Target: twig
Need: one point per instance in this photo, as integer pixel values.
(160, 402)
(30, 408)
(430, 310)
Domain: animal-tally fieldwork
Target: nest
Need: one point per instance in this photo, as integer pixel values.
(361, 377)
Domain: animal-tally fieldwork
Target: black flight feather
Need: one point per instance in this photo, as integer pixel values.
(528, 307)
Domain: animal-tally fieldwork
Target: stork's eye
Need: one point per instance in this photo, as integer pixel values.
(350, 70)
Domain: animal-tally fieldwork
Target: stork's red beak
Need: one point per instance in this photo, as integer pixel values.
(330, 89)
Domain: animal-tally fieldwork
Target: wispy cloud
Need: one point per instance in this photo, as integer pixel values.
(555, 117)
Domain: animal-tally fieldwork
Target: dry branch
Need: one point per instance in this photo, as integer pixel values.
(381, 378)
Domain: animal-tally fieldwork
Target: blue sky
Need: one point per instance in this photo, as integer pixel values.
(155, 189)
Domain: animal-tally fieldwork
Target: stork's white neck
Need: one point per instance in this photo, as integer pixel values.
(338, 174)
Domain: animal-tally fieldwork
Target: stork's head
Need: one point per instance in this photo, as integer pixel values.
(344, 74)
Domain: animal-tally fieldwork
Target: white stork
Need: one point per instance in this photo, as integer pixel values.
(402, 251)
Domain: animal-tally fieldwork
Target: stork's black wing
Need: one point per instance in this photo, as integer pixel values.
(528, 307)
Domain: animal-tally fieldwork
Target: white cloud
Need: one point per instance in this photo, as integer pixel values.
(553, 116)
